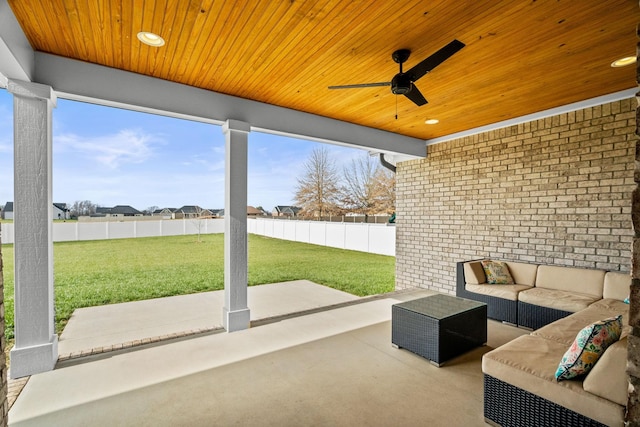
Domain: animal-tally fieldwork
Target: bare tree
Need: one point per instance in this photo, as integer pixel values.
(385, 190)
(318, 191)
(199, 219)
(360, 192)
(82, 208)
(150, 210)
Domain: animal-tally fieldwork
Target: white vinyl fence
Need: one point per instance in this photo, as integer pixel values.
(71, 231)
(373, 238)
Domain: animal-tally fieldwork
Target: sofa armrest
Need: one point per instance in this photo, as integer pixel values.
(500, 309)
(461, 280)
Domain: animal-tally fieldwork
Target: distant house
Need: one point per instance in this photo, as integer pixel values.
(117, 211)
(59, 211)
(251, 212)
(191, 211)
(166, 213)
(285, 211)
(254, 212)
(7, 211)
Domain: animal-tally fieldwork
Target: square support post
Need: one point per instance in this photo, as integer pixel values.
(235, 312)
(36, 346)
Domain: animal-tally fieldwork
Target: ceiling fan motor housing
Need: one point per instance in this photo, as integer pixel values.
(401, 84)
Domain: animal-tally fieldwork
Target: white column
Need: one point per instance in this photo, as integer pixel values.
(235, 312)
(36, 347)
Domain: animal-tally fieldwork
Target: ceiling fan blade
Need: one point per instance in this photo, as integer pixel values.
(361, 85)
(434, 60)
(415, 96)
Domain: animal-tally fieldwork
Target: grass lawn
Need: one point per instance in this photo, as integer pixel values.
(111, 271)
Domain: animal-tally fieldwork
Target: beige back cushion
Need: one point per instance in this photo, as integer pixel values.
(616, 285)
(522, 273)
(582, 280)
(608, 378)
(474, 273)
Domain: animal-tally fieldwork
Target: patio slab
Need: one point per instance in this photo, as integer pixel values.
(115, 324)
(335, 367)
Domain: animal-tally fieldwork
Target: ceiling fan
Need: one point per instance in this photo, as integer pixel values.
(403, 83)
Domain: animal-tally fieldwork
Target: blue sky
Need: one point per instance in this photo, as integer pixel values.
(112, 156)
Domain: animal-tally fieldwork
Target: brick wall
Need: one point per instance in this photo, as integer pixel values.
(552, 191)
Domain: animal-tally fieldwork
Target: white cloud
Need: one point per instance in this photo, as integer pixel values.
(126, 146)
(212, 165)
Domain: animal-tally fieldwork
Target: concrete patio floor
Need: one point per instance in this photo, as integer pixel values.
(114, 326)
(328, 367)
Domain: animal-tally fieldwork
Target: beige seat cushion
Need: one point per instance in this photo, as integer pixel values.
(580, 280)
(529, 362)
(608, 378)
(509, 292)
(616, 285)
(557, 299)
(564, 331)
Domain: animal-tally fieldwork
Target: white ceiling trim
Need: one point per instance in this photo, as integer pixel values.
(587, 103)
(97, 84)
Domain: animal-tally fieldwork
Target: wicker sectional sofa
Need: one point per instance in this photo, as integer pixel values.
(520, 388)
(541, 294)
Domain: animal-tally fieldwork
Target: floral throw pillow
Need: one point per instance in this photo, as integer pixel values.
(587, 348)
(497, 272)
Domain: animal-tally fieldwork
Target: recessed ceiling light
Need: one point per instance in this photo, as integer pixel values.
(432, 121)
(150, 39)
(624, 61)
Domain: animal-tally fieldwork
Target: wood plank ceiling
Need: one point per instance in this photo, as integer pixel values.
(520, 56)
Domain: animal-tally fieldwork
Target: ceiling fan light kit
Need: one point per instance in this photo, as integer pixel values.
(403, 83)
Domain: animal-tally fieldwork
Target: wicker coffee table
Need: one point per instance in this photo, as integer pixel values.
(439, 327)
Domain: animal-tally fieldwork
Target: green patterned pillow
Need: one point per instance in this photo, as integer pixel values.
(497, 272)
(589, 345)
